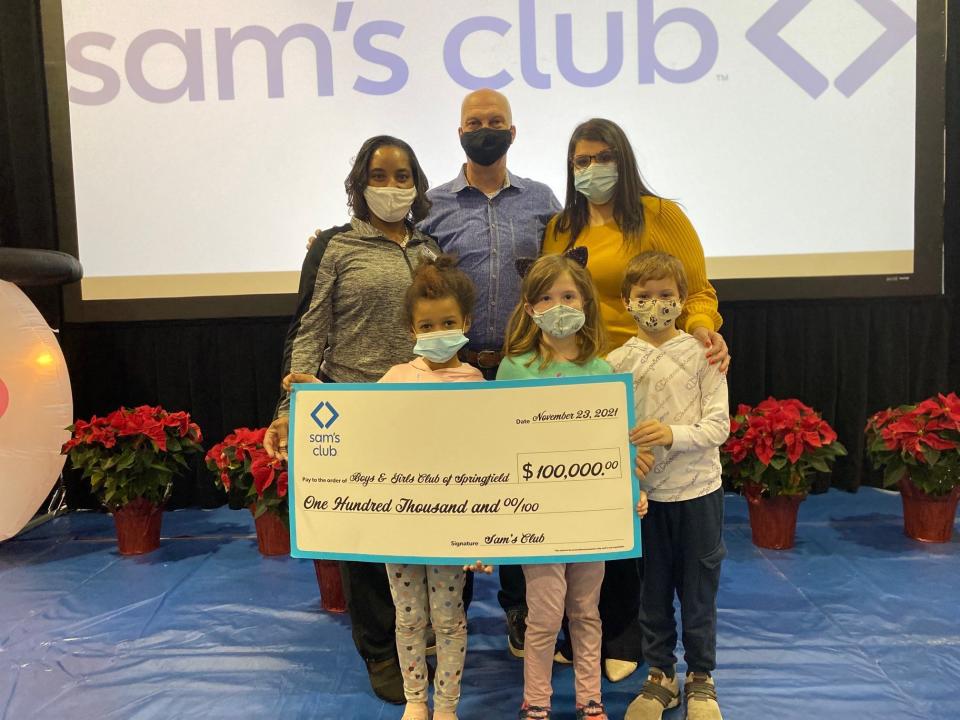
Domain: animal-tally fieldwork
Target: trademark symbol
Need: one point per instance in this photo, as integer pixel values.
(722, 77)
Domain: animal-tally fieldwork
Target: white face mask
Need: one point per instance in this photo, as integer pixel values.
(560, 321)
(597, 182)
(655, 315)
(390, 204)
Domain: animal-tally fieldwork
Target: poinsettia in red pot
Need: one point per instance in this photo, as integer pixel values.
(241, 463)
(131, 457)
(918, 447)
(772, 451)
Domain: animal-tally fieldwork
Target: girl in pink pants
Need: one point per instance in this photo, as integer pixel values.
(556, 331)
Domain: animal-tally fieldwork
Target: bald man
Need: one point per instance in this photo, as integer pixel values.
(488, 217)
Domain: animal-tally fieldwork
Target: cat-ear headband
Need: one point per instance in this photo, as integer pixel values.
(577, 254)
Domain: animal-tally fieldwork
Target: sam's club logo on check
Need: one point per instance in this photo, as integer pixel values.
(324, 415)
(323, 443)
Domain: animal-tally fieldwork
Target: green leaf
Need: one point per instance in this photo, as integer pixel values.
(126, 460)
(893, 473)
(819, 465)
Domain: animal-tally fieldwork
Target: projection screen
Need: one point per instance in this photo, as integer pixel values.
(198, 144)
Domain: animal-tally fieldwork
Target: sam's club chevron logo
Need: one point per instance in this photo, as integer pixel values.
(899, 29)
(324, 415)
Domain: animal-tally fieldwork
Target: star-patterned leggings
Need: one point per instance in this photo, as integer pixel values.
(430, 594)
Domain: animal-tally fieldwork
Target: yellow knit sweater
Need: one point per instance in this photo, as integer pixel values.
(667, 229)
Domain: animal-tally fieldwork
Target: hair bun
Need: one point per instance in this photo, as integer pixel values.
(445, 261)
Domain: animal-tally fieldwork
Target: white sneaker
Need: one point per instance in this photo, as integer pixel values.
(617, 670)
(700, 694)
(659, 693)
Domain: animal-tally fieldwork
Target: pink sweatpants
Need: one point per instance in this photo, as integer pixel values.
(551, 590)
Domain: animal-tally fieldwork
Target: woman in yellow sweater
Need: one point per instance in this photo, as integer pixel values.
(610, 211)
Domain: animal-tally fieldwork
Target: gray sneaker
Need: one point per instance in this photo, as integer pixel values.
(658, 693)
(700, 694)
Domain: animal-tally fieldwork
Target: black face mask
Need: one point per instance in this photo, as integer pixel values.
(486, 145)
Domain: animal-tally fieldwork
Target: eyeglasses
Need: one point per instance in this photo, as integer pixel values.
(604, 157)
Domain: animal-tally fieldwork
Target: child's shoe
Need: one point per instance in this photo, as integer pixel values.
(444, 715)
(534, 712)
(700, 695)
(416, 711)
(591, 711)
(659, 693)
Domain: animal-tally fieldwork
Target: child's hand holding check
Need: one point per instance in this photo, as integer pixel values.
(651, 432)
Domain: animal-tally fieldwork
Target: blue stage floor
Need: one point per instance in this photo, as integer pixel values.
(856, 621)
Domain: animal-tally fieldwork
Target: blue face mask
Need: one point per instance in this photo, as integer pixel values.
(439, 346)
(560, 321)
(597, 182)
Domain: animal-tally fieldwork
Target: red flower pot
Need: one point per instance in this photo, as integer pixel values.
(928, 518)
(273, 536)
(331, 588)
(773, 520)
(138, 527)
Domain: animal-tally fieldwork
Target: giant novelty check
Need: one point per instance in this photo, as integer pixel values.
(505, 472)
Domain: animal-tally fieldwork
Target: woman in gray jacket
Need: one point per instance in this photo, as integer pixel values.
(349, 328)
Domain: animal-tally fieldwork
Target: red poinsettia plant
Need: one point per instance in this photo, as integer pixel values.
(240, 463)
(919, 442)
(132, 453)
(775, 446)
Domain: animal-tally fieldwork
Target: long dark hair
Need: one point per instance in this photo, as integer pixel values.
(359, 178)
(627, 196)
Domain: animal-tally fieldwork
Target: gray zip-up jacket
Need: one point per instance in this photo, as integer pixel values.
(354, 330)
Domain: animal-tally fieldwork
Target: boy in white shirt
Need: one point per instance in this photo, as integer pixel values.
(684, 417)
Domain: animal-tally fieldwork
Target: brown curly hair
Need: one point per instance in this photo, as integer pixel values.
(439, 277)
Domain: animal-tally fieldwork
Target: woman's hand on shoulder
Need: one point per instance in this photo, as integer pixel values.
(717, 352)
(298, 378)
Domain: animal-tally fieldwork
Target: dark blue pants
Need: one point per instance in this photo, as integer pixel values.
(682, 551)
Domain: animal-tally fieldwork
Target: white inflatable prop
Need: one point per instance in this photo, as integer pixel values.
(35, 407)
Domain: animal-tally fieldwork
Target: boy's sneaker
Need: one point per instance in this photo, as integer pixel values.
(658, 693)
(534, 712)
(516, 629)
(700, 695)
(591, 711)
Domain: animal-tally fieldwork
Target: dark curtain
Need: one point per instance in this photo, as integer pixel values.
(26, 191)
(845, 358)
